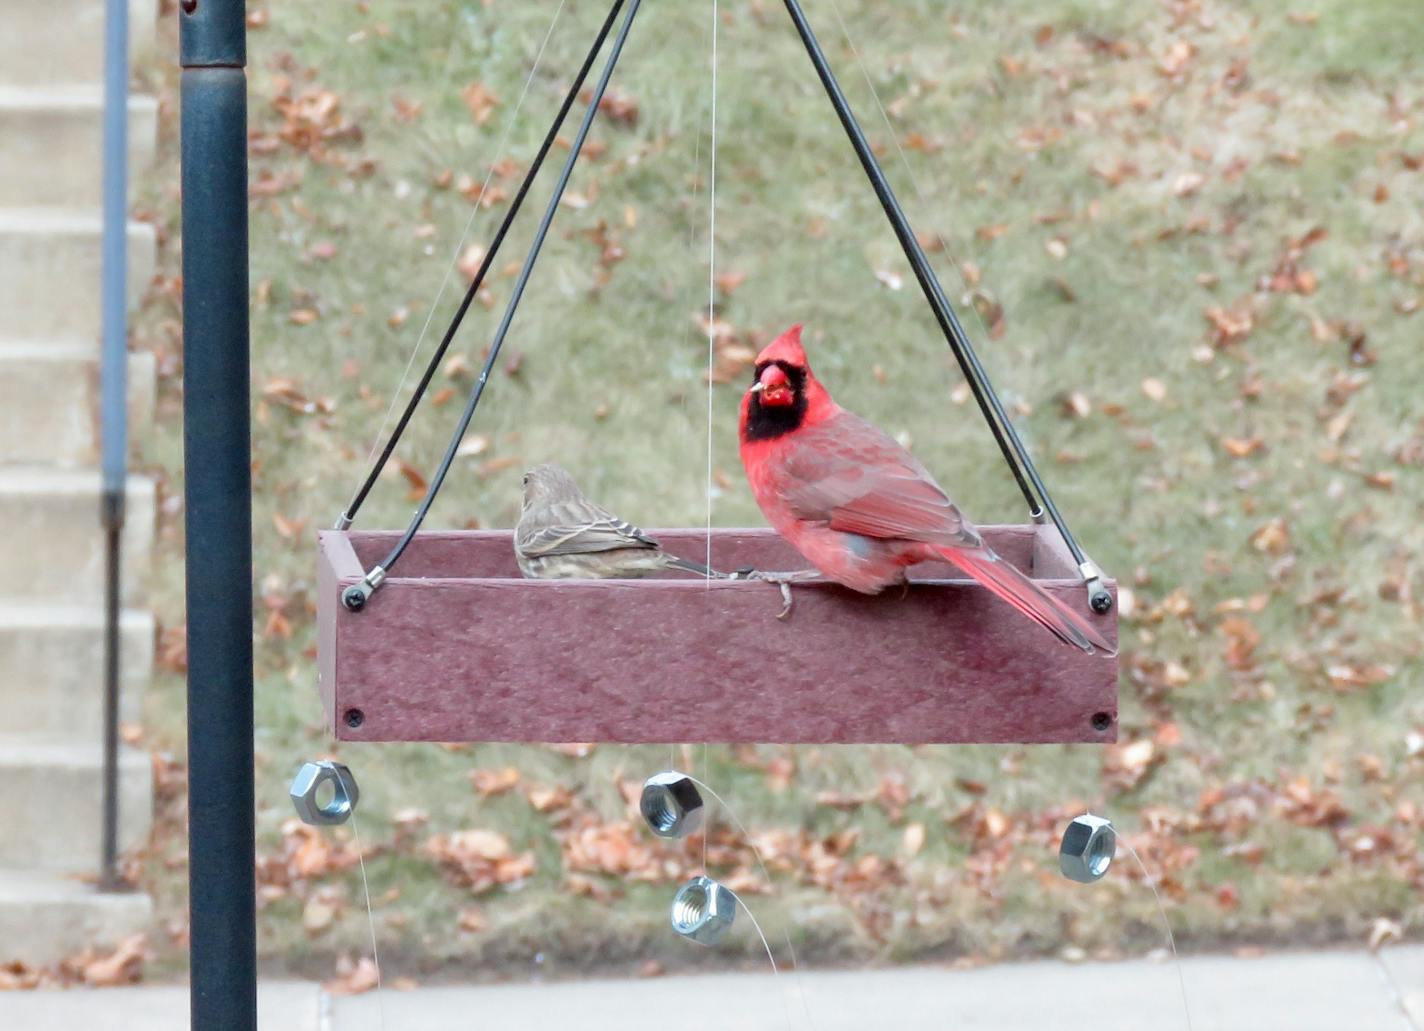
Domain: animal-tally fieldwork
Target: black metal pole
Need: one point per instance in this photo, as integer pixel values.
(217, 458)
(1014, 452)
(356, 596)
(485, 263)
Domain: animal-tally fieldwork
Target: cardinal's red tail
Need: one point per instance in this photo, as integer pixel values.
(1023, 594)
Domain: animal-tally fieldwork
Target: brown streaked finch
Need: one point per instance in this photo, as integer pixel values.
(563, 536)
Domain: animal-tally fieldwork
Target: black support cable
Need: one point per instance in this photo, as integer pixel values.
(485, 264)
(355, 596)
(1010, 445)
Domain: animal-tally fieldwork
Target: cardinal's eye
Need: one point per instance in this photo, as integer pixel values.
(526, 480)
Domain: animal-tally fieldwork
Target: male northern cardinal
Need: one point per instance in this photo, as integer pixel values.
(562, 535)
(856, 504)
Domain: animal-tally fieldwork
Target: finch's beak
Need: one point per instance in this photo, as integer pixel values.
(757, 387)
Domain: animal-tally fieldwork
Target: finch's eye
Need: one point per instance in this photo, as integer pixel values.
(526, 480)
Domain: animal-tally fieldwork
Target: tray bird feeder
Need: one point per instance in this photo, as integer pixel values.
(456, 646)
(460, 648)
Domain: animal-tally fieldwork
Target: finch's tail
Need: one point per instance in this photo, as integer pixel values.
(1023, 594)
(687, 565)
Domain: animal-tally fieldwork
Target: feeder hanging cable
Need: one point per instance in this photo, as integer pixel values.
(485, 264)
(356, 596)
(1010, 445)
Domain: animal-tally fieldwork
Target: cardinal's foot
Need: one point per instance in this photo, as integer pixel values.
(783, 581)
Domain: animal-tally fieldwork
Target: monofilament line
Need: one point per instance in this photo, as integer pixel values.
(711, 282)
(1167, 926)
(761, 863)
(465, 235)
(370, 918)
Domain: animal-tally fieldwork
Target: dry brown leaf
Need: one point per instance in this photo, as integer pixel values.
(288, 529)
(1242, 638)
(1242, 447)
(1231, 325)
(491, 466)
(480, 100)
(124, 965)
(728, 282)
(353, 977)
(480, 859)
(1075, 404)
(1188, 183)
(414, 477)
(545, 798)
(1176, 59)
(619, 107)
(494, 782)
(1126, 764)
(469, 262)
(1273, 538)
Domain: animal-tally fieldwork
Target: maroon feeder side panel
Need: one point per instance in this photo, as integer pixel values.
(459, 647)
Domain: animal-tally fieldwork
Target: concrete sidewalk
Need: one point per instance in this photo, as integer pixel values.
(1314, 991)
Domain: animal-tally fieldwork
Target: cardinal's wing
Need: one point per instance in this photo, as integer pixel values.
(852, 476)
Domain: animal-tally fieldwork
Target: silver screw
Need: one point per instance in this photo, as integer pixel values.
(671, 805)
(1087, 849)
(703, 911)
(309, 781)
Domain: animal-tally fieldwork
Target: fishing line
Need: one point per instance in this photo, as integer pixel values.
(707, 822)
(1167, 926)
(1396, 996)
(370, 917)
(756, 854)
(785, 1006)
(469, 224)
(711, 283)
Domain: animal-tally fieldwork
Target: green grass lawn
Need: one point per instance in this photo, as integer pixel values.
(1224, 400)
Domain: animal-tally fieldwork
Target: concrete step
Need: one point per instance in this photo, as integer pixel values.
(45, 917)
(53, 41)
(51, 807)
(51, 543)
(52, 670)
(49, 402)
(54, 138)
(51, 263)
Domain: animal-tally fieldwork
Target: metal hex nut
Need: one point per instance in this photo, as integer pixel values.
(1087, 849)
(703, 911)
(671, 805)
(309, 781)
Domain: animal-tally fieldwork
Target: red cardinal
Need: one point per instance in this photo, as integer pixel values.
(857, 505)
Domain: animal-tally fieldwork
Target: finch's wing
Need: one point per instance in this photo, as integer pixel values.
(855, 478)
(579, 528)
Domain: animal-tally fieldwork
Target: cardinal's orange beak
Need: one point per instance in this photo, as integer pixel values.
(774, 386)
